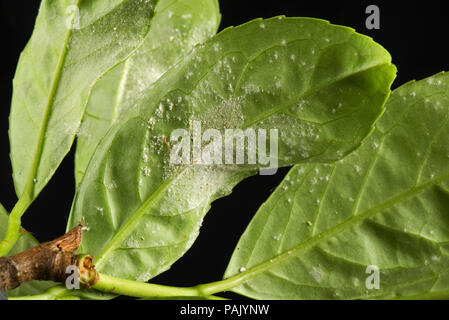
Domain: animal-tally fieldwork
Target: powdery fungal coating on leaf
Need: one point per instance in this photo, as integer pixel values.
(381, 206)
(230, 87)
(47, 107)
(185, 23)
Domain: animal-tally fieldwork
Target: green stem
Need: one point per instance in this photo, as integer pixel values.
(14, 224)
(136, 289)
(119, 286)
(144, 290)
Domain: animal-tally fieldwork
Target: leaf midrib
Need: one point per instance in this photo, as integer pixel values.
(330, 233)
(124, 231)
(129, 225)
(29, 184)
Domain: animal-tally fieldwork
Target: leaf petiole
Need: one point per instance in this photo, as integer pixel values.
(118, 286)
(109, 284)
(14, 224)
(137, 289)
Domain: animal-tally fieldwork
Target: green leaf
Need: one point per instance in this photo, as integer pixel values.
(176, 27)
(68, 51)
(384, 205)
(322, 86)
(25, 242)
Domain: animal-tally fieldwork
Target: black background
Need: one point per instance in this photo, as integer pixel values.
(415, 33)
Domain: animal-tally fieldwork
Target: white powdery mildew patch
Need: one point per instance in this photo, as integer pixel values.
(317, 274)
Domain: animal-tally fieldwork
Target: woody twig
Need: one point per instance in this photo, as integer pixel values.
(48, 261)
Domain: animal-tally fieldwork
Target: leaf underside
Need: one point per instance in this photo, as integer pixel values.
(322, 86)
(176, 27)
(68, 50)
(386, 205)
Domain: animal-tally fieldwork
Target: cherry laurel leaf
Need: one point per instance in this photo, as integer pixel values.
(72, 45)
(327, 227)
(321, 86)
(176, 27)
